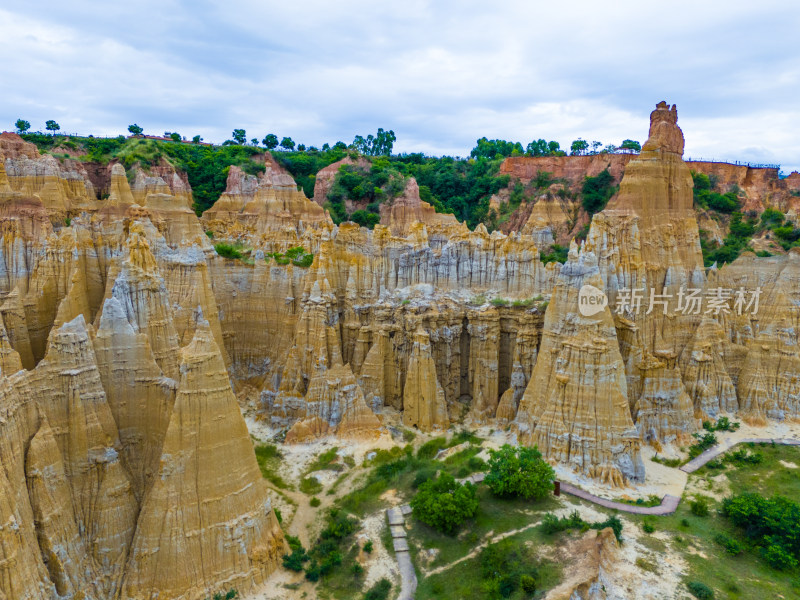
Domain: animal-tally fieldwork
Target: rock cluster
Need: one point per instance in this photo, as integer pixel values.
(124, 338)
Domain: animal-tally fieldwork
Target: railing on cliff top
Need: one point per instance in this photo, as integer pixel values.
(738, 163)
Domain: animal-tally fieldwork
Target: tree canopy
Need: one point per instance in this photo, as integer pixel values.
(22, 125)
(52, 126)
(135, 129)
(444, 504)
(519, 471)
(239, 136)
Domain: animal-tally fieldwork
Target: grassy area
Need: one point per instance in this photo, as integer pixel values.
(494, 514)
(468, 579)
(700, 540)
(269, 458)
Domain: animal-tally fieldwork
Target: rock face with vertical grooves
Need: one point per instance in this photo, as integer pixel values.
(575, 408)
(206, 519)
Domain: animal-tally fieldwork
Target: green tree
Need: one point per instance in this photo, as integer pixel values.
(519, 471)
(135, 129)
(22, 125)
(270, 141)
(597, 191)
(197, 139)
(287, 143)
(579, 147)
(52, 126)
(254, 141)
(631, 145)
(444, 504)
(239, 136)
(175, 136)
(301, 147)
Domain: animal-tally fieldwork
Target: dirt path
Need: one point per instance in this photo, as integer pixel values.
(480, 547)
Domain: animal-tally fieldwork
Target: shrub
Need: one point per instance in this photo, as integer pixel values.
(368, 547)
(379, 591)
(228, 250)
(431, 448)
(295, 560)
(699, 507)
(596, 191)
(778, 557)
(506, 566)
(519, 471)
(703, 443)
(732, 546)
(528, 584)
(315, 502)
(700, 590)
(498, 302)
(648, 527)
(310, 486)
(444, 504)
(357, 570)
(423, 475)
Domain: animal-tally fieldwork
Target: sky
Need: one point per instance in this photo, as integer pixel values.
(440, 74)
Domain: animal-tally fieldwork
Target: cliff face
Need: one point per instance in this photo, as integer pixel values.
(92, 415)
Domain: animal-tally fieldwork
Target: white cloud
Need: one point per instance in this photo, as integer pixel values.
(441, 74)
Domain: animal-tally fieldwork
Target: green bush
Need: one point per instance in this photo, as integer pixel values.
(731, 546)
(228, 250)
(444, 504)
(315, 502)
(310, 486)
(519, 471)
(365, 218)
(703, 443)
(648, 527)
(557, 254)
(368, 547)
(507, 566)
(778, 557)
(771, 523)
(498, 302)
(596, 191)
(379, 591)
(431, 448)
(700, 590)
(699, 507)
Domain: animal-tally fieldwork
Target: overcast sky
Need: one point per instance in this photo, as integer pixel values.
(440, 74)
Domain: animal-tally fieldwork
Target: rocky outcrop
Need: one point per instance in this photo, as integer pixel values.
(402, 212)
(223, 515)
(575, 408)
(268, 204)
(424, 406)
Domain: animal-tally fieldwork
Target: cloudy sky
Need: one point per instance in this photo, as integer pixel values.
(440, 74)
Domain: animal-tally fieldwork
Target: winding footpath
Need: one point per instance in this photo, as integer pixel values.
(669, 504)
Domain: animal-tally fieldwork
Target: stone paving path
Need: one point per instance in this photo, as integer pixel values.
(668, 503)
(397, 525)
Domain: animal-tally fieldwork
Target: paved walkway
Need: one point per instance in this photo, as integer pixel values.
(715, 451)
(397, 525)
(668, 503)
